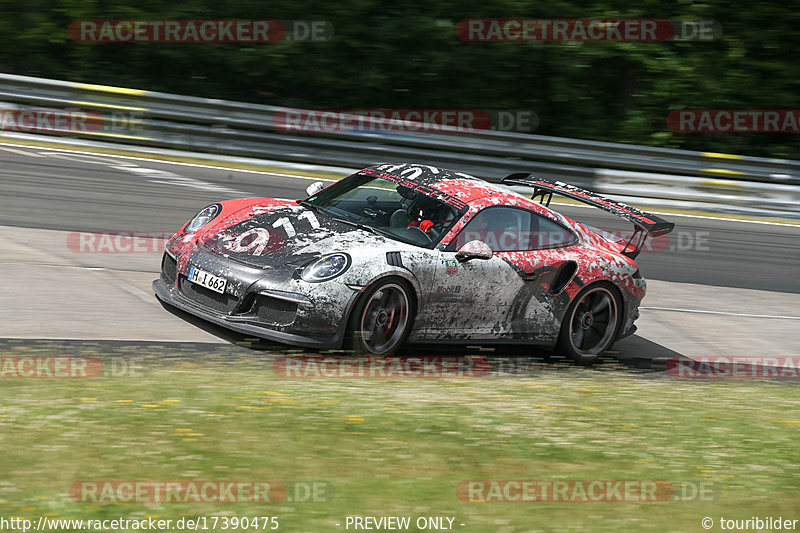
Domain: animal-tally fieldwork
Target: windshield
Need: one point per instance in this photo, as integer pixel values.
(396, 209)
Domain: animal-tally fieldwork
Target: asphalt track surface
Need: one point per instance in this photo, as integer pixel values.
(82, 192)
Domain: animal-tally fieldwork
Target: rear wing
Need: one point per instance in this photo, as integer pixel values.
(645, 224)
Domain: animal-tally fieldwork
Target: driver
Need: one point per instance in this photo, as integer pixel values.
(432, 219)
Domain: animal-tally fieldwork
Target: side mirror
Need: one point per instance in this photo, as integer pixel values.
(474, 250)
(314, 188)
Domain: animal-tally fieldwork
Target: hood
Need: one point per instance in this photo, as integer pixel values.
(290, 236)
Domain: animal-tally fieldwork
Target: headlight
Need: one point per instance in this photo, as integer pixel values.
(326, 268)
(203, 217)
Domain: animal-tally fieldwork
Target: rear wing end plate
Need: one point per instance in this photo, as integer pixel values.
(645, 224)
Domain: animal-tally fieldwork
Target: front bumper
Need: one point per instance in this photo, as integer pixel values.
(257, 306)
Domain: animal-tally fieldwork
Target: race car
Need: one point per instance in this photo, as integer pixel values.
(400, 253)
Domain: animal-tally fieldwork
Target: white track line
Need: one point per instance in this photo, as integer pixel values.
(80, 267)
(95, 160)
(707, 217)
(197, 165)
(297, 176)
(746, 315)
(21, 152)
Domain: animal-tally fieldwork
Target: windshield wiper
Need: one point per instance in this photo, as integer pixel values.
(306, 203)
(358, 225)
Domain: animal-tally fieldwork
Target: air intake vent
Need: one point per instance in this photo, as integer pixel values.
(563, 276)
(394, 259)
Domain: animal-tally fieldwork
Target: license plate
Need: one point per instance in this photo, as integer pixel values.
(209, 281)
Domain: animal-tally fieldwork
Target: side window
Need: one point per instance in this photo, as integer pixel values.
(509, 229)
(547, 234)
(504, 229)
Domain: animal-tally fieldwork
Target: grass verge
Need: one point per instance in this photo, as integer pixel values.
(395, 447)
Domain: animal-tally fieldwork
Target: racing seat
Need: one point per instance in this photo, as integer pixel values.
(399, 219)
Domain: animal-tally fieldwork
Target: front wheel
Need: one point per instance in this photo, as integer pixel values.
(381, 320)
(590, 324)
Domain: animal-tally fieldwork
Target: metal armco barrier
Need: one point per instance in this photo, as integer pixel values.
(147, 118)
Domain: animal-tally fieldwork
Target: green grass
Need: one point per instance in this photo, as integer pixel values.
(397, 446)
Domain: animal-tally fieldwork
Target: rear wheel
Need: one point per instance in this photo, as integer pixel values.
(591, 323)
(382, 318)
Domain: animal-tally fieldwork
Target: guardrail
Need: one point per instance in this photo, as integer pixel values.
(751, 184)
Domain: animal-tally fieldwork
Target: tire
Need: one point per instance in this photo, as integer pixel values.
(591, 323)
(382, 319)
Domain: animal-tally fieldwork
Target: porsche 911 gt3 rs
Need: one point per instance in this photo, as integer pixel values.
(406, 252)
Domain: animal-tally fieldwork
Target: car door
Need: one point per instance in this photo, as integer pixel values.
(502, 297)
(470, 299)
(544, 261)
